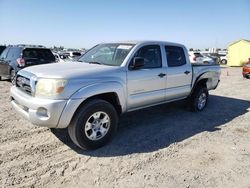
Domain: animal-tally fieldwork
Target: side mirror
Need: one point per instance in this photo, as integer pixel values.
(138, 62)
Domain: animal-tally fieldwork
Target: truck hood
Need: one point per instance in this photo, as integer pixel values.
(70, 70)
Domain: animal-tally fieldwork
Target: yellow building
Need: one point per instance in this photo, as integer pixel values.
(238, 52)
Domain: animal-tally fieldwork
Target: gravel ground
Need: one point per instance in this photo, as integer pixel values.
(164, 146)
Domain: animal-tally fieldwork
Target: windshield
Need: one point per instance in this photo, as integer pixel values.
(112, 54)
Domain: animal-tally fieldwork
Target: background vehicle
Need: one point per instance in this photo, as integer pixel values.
(110, 79)
(197, 57)
(246, 69)
(14, 58)
(214, 56)
(74, 55)
(60, 58)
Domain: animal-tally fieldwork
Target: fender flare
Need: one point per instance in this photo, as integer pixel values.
(102, 88)
(206, 78)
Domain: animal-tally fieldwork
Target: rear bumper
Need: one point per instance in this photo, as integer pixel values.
(44, 112)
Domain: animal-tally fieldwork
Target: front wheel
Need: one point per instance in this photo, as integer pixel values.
(93, 125)
(198, 99)
(12, 76)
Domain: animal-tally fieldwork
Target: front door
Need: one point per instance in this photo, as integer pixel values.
(147, 85)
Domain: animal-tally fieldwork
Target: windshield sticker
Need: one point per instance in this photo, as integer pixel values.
(124, 47)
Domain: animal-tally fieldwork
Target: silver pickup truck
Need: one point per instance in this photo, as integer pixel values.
(110, 79)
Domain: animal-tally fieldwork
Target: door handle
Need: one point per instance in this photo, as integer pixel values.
(161, 75)
(187, 72)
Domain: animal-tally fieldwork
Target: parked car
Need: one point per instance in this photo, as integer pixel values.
(88, 96)
(246, 69)
(197, 57)
(214, 56)
(15, 58)
(2, 49)
(60, 58)
(74, 55)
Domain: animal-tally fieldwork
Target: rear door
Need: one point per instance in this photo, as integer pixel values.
(179, 73)
(37, 56)
(4, 63)
(147, 85)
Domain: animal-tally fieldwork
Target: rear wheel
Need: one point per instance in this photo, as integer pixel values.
(223, 61)
(93, 125)
(198, 99)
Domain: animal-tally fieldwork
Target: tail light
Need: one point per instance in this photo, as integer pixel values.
(21, 62)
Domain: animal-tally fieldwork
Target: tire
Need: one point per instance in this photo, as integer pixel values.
(93, 125)
(223, 61)
(198, 99)
(12, 76)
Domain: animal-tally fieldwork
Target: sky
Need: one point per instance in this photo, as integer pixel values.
(85, 23)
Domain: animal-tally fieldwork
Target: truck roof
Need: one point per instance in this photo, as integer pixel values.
(147, 41)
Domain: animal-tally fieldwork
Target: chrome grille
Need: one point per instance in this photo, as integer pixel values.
(23, 84)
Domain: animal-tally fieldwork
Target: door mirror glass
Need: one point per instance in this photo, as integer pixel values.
(138, 62)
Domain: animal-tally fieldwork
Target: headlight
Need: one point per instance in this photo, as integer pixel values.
(49, 87)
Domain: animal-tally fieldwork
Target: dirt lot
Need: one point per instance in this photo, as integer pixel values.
(165, 146)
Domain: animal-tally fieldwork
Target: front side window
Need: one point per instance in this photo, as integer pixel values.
(151, 55)
(175, 56)
(112, 54)
(4, 53)
(2, 49)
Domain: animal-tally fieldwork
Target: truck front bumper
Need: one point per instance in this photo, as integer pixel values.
(43, 112)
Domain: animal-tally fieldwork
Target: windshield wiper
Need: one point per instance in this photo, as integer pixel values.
(95, 62)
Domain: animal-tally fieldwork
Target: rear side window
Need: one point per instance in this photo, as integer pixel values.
(41, 54)
(151, 55)
(10, 54)
(175, 56)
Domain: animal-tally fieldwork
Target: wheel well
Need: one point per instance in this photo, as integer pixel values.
(202, 82)
(10, 69)
(111, 97)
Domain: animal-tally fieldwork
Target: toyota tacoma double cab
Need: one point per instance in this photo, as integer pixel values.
(89, 95)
